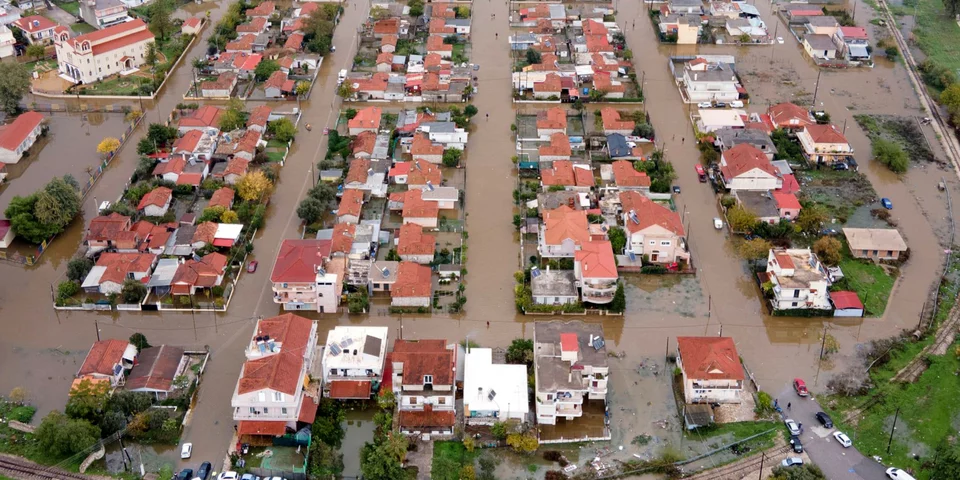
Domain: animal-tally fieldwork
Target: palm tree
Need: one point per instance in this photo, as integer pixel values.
(198, 64)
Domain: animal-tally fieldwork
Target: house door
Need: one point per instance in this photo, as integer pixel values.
(654, 255)
(128, 64)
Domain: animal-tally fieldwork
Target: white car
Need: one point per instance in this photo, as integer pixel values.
(791, 461)
(186, 450)
(897, 474)
(792, 426)
(780, 40)
(717, 223)
(736, 104)
(842, 439)
(229, 475)
(705, 105)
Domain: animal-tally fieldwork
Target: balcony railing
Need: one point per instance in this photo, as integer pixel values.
(570, 411)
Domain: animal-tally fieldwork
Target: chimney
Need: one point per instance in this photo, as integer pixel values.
(262, 347)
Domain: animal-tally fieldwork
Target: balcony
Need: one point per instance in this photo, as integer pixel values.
(597, 297)
(569, 398)
(569, 410)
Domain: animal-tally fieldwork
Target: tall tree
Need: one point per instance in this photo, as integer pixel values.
(36, 51)
(952, 7)
(14, 84)
(61, 436)
(152, 56)
(160, 22)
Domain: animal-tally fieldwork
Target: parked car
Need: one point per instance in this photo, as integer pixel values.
(186, 450)
(717, 223)
(840, 166)
(721, 105)
(228, 475)
(252, 266)
(185, 474)
(476, 66)
(249, 476)
(824, 420)
(897, 474)
(797, 446)
(705, 105)
(736, 104)
(780, 40)
(792, 426)
(204, 471)
(800, 387)
(676, 189)
(791, 461)
(842, 439)
(886, 203)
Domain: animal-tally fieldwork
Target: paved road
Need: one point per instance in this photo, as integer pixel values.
(835, 461)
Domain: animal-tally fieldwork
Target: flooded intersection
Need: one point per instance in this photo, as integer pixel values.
(43, 348)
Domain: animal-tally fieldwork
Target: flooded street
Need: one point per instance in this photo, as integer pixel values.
(42, 348)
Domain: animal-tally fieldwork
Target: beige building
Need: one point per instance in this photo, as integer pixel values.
(653, 230)
(711, 369)
(875, 243)
(824, 144)
(97, 55)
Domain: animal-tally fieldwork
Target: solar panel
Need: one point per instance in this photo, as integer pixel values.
(335, 349)
(491, 395)
(598, 343)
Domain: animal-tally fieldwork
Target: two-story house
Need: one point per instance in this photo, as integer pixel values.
(270, 397)
(353, 361)
(746, 167)
(711, 370)
(790, 116)
(797, 280)
(445, 133)
(423, 378)
(570, 370)
(301, 279)
(563, 232)
(653, 230)
(596, 269)
(38, 30)
(824, 144)
(101, 14)
(493, 392)
(110, 232)
(17, 137)
(108, 360)
(706, 82)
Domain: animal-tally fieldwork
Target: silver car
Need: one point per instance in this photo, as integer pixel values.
(791, 461)
(792, 426)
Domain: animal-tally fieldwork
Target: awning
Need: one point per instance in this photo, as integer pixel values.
(308, 410)
(845, 300)
(350, 389)
(252, 427)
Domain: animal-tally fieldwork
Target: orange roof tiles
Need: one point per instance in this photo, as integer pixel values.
(422, 145)
(412, 241)
(205, 232)
(364, 142)
(425, 357)
(103, 356)
(559, 147)
(603, 81)
(205, 116)
(624, 175)
(435, 44)
(297, 260)
(552, 119)
(256, 25)
(593, 27)
(565, 223)
(550, 84)
(350, 389)
(743, 158)
(596, 260)
(107, 227)
(119, 266)
(34, 23)
(709, 358)
(422, 171)
(566, 174)
(280, 371)
(413, 280)
(259, 116)
(351, 203)
(789, 115)
(12, 135)
(358, 172)
(368, 118)
(414, 206)
(611, 120)
(237, 166)
(387, 26)
(258, 427)
(342, 239)
(159, 197)
(825, 134)
(649, 213)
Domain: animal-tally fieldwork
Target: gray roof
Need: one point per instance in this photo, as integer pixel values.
(458, 22)
(738, 22)
(819, 42)
(439, 127)
(523, 38)
(554, 374)
(384, 271)
(783, 166)
(554, 283)
(731, 137)
(617, 146)
(686, 3)
(334, 172)
(714, 73)
(687, 18)
(553, 200)
(163, 275)
(761, 204)
(822, 21)
(371, 345)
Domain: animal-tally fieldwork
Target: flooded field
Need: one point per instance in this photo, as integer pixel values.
(42, 348)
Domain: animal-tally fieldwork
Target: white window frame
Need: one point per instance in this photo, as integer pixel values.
(427, 379)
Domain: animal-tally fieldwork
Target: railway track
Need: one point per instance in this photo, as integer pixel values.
(25, 470)
(944, 337)
(737, 470)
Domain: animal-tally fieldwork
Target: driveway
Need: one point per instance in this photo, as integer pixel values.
(60, 15)
(818, 442)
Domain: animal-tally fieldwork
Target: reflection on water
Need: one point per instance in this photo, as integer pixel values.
(359, 426)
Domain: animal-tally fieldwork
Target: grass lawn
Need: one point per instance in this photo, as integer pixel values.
(41, 66)
(275, 156)
(80, 28)
(114, 86)
(840, 192)
(274, 143)
(449, 457)
(737, 430)
(72, 7)
(937, 34)
(458, 53)
(870, 281)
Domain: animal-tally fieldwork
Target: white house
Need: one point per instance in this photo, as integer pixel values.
(424, 381)
(570, 369)
(270, 397)
(38, 29)
(596, 269)
(711, 369)
(101, 14)
(7, 41)
(746, 167)
(493, 392)
(305, 278)
(17, 137)
(156, 202)
(112, 269)
(653, 230)
(353, 360)
(94, 56)
(553, 287)
(798, 280)
(445, 133)
(705, 82)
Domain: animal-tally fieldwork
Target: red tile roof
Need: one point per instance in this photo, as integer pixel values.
(624, 175)
(118, 266)
(308, 410)
(603, 81)
(192, 22)
(159, 197)
(265, 9)
(789, 115)
(351, 203)
(425, 357)
(611, 120)
(565, 223)
(854, 32)
(649, 213)
(709, 358)
(566, 174)
(387, 26)
(389, 40)
(107, 227)
(598, 43)
(343, 235)
(276, 80)
(550, 84)
(203, 273)
(133, 31)
(294, 41)
(435, 44)
(413, 280)
(34, 24)
(368, 118)
(596, 260)
(786, 200)
(255, 427)
(350, 389)
(428, 417)
(743, 158)
(790, 184)
(422, 171)
(784, 260)
(298, 260)
(843, 300)
(188, 142)
(12, 135)
(559, 147)
(103, 356)
(223, 197)
(175, 164)
(414, 206)
(376, 83)
(364, 142)
(552, 119)
(593, 27)
(412, 241)
(236, 166)
(423, 146)
(256, 25)
(205, 232)
(358, 172)
(155, 368)
(825, 134)
(282, 371)
(386, 58)
(205, 116)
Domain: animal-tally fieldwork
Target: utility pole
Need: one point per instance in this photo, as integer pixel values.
(96, 324)
(776, 28)
(666, 355)
(816, 89)
(894, 427)
(721, 330)
(823, 343)
(763, 456)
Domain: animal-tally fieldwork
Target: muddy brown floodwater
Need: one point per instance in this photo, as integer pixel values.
(41, 348)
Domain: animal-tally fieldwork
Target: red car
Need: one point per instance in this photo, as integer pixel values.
(252, 266)
(800, 387)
